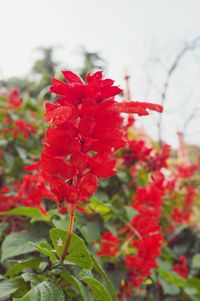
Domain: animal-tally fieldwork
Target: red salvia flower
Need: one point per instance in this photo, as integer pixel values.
(31, 191)
(181, 267)
(149, 239)
(13, 98)
(182, 215)
(110, 245)
(21, 126)
(85, 130)
(7, 200)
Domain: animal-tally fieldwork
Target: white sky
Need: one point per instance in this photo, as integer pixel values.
(125, 32)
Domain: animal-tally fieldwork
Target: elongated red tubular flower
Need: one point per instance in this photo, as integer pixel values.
(139, 108)
(85, 130)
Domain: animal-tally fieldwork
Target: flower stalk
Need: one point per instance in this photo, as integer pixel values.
(71, 210)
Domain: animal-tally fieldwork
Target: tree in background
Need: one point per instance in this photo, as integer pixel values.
(166, 68)
(92, 61)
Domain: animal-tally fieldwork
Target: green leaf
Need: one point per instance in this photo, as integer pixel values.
(60, 223)
(18, 243)
(23, 211)
(77, 252)
(76, 284)
(7, 287)
(9, 161)
(196, 261)
(170, 289)
(32, 278)
(101, 196)
(105, 277)
(46, 290)
(85, 273)
(123, 176)
(2, 228)
(164, 265)
(21, 152)
(99, 292)
(99, 207)
(172, 277)
(90, 232)
(47, 250)
(130, 212)
(193, 283)
(190, 291)
(22, 265)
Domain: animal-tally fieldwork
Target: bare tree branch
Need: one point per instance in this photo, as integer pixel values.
(175, 64)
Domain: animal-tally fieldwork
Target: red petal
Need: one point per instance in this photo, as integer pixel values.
(136, 107)
(59, 87)
(88, 185)
(79, 160)
(59, 187)
(72, 78)
(102, 166)
(111, 91)
(107, 82)
(56, 166)
(32, 166)
(97, 75)
(59, 114)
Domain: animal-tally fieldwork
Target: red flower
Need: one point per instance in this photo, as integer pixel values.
(7, 201)
(109, 245)
(137, 151)
(148, 241)
(85, 130)
(14, 100)
(182, 215)
(159, 160)
(139, 108)
(181, 267)
(20, 126)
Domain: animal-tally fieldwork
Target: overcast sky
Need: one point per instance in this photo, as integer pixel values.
(125, 32)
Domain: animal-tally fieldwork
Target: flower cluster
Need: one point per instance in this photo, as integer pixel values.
(110, 245)
(24, 128)
(147, 201)
(13, 98)
(30, 191)
(12, 123)
(186, 171)
(180, 267)
(7, 201)
(85, 130)
(182, 215)
(138, 152)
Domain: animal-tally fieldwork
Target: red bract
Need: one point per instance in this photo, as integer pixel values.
(13, 98)
(159, 160)
(32, 190)
(181, 267)
(139, 108)
(182, 215)
(85, 130)
(137, 151)
(21, 126)
(7, 201)
(187, 171)
(110, 245)
(145, 224)
(140, 154)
